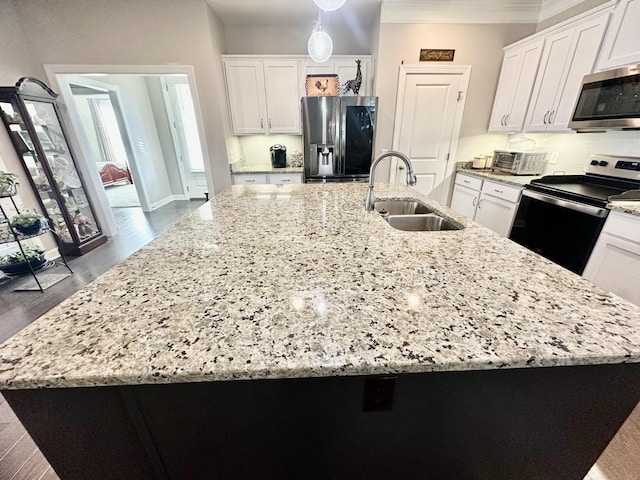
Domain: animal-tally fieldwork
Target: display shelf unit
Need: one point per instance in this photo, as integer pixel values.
(8, 234)
(30, 112)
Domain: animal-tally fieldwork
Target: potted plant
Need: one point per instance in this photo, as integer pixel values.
(17, 263)
(27, 223)
(8, 183)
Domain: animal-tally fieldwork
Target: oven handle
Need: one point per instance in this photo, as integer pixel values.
(578, 207)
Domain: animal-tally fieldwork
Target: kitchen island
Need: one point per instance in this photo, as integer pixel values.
(284, 332)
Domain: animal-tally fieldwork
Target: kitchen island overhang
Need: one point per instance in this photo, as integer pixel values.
(300, 284)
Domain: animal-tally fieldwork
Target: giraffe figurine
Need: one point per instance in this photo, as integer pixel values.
(354, 85)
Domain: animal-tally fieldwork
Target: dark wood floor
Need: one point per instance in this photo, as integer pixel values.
(20, 459)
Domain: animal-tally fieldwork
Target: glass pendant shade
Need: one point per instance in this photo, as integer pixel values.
(320, 45)
(329, 5)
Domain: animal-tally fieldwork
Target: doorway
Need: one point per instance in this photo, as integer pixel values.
(429, 109)
(156, 173)
(104, 128)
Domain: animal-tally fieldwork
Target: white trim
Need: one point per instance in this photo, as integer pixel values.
(168, 199)
(551, 8)
(172, 130)
(438, 69)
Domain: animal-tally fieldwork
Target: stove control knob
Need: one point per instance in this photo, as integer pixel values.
(603, 163)
(594, 162)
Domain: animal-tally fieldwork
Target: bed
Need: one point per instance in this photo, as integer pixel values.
(112, 173)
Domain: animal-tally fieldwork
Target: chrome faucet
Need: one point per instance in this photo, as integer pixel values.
(370, 201)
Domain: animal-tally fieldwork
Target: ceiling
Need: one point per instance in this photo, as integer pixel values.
(296, 12)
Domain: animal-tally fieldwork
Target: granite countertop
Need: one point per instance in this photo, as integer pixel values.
(264, 169)
(284, 281)
(632, 208)
(517, 180)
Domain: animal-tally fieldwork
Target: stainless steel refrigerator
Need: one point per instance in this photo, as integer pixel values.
(338, 134)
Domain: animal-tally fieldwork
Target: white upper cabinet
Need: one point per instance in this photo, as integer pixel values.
(622, 41)
(514, 87)
(263, 96)
(246, 94)
(283, 98)
(568, 55)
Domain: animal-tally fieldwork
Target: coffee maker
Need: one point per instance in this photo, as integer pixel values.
(278, 156)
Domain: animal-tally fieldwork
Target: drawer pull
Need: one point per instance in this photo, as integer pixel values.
(285, 180)
(498, 191)
(250, 181)
(466, 181)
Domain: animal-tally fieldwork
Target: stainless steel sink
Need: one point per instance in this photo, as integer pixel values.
(401, 207)
(420, 223)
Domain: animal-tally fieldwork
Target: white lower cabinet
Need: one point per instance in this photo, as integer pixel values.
(492, 204)
(250, 179)
(264, 178)
(285, 178)
(615, 261)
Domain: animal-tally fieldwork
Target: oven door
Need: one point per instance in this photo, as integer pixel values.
(561, 230)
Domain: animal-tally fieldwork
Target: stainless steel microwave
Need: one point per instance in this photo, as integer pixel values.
(519, 163)
(609, 101)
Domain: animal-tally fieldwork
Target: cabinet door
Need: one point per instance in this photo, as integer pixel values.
(518, 73)
(247, 102)
(496, 214)
(465, 200)
(553, 67)
(615, 266)
(250, 179)
(283, 99)
(285, 178)
(622, 42)
(587, 38)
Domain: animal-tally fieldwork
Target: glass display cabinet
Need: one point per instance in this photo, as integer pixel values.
(32, 117)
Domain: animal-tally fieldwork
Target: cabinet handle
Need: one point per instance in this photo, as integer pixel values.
(506, 119)
(502, 120)
(544, 120)
(550, 116)
(261, 124)
(473, 202)
(269, 123)
(480, 203)
(466, 181)
(400, 167)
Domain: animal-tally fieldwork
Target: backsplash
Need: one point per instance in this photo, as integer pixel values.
(253, 150)
(574, 148)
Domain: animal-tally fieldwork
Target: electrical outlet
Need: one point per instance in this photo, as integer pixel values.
(553, 157)
(378, 394)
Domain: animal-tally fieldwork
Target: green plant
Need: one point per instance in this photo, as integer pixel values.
(25, 220)
(30, 253)
(8, 179)
(8, 182)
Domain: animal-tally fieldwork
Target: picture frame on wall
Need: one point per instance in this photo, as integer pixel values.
(322, 85)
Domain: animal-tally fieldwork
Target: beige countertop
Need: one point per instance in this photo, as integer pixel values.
(276, 281)
(264, 169)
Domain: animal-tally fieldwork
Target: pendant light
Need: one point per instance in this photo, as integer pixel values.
(320, 45)
(329, 5)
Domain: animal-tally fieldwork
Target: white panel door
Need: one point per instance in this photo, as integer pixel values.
(428, 116)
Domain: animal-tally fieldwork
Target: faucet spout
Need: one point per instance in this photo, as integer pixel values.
(370, 201)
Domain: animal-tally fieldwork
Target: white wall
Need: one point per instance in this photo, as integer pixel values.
(574, 148)
(144, 32)
(480, 46)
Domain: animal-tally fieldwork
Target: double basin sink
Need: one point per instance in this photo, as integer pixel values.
(412, 215)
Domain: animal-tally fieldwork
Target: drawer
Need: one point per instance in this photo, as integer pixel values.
(250, 179)
(623, 225)
(469, 181)
(285, 178)
(500, 190)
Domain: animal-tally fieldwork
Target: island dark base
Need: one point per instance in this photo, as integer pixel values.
(538, 423)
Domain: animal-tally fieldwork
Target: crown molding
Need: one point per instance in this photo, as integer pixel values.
(473, 11)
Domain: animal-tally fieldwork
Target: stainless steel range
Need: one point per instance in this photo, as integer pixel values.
(561, 216)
